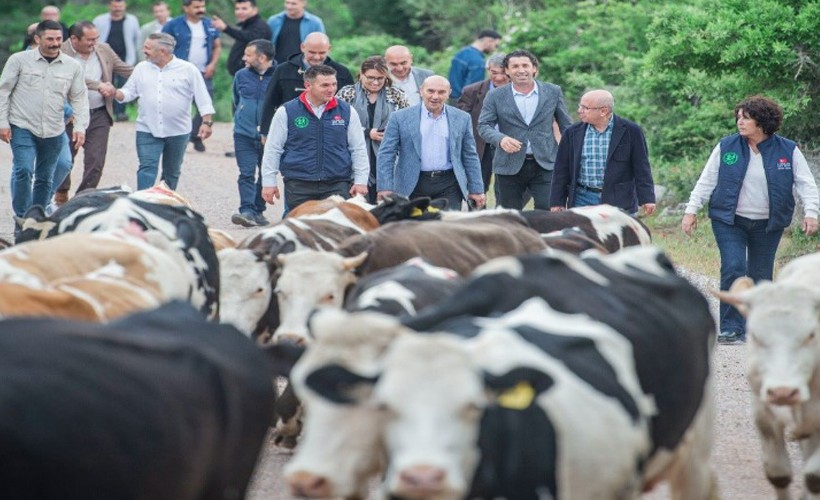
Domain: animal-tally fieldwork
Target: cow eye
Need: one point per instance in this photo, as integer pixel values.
(472, 410)
(329, 297)
(260, 290)
(810, 338)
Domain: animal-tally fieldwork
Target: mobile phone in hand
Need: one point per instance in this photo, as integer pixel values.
(380, 129)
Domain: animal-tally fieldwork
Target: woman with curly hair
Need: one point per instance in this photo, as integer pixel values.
(374, 98)
(748, 183)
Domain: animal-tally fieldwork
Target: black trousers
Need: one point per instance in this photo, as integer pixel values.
(439, 184)
(512, 188)
(298, 192)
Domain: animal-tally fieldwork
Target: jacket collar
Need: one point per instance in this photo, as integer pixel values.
(304, 100)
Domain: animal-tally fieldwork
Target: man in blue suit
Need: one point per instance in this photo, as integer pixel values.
(436, 151)
(602, 159)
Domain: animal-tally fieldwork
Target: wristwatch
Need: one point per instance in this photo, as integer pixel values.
(209, 123)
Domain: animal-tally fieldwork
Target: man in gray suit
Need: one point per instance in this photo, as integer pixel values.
(518, 119)
(436, 150)
(405, 76)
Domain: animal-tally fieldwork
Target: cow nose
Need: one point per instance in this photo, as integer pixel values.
(289, 338)
(422, 479)
(783, 395)
(305, 484)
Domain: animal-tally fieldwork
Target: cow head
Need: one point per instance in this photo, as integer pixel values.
(245, 290)
(310, 279)
(340, 447)
(782, 327)
(395, 207)
(34, 225)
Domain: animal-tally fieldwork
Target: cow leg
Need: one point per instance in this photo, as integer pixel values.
(811, 455)
(289, 418)
(776, 462)
(691, 476)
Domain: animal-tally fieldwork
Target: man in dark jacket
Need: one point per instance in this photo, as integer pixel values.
(249, 85)
(249, 27)
(288, 78)
(602, 159)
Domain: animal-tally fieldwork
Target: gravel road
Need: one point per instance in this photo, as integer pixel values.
(209, 181)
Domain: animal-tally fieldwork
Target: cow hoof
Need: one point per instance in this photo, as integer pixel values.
(780, 482)
(813, 483)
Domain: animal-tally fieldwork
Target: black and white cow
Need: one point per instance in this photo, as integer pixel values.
(658, 330)
(160, 405)
(104, 210)
(402, 290)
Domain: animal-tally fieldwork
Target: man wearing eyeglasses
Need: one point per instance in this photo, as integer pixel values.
(602, 159)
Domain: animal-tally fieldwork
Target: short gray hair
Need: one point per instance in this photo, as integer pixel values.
(495, 61)
(164, 40)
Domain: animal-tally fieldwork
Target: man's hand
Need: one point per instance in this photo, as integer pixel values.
(358, 189)
(106, 89)
(269, 193)
(204, 132)
(479, 199)
(648, 208)
(510, 145)
(689, 223)
(5, 134)
(209, 71)
(810, 225)
(557, 208)
(78, 138)
(381, 195)
(218, 23)
(263, 138)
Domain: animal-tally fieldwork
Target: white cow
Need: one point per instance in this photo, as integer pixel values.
(783, 326)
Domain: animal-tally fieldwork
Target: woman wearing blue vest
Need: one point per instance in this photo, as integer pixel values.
(748, 183)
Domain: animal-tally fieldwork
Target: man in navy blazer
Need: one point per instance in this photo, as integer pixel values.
(602, 159)
(436, 151)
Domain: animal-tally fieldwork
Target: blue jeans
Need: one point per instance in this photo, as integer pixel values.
(149, 150)
(33, 157)
(249, 159)
(586, 198)
(64, 164)
(746, 249)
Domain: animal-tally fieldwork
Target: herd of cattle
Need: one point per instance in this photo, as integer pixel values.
(489, 354)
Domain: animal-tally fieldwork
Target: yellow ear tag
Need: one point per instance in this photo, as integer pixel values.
(416, 212)
(517, 398)
(433, 210)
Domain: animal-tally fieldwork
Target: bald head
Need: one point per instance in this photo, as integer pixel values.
(50, 13)
(315, 48)
(596, 108)
(434, 93)
(399, 60)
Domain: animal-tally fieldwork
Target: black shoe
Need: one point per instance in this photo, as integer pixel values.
(261, 220)
(731, 338)
(230, 154)
(199, 145)
(245, 220)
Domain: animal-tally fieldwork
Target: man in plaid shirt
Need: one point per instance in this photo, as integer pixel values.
(602, 159)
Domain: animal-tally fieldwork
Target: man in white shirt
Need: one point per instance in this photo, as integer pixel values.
(316, 141)
(405, 76)
(166, 86)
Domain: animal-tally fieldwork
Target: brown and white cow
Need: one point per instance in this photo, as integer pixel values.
(93, 277)
(783, 366)
(311, 279)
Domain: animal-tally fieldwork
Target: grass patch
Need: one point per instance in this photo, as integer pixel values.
(699, 252)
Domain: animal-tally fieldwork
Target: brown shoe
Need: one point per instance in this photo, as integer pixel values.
(60, 197)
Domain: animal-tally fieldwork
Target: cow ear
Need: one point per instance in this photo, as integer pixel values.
(338, 384)
(187, 231)
(281, 247)
(283, 357)
(518, 388)
(438, 204)
(738, 294)
(36, 212)
(351, 263)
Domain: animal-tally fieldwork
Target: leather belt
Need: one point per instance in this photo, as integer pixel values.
(529, 157)
(101, 108)
(436, 173)
(588, 188)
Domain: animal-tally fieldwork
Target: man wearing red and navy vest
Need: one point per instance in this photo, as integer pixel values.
(317, 143)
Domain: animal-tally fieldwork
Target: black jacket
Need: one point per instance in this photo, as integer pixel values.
(249, 30)
(287, 83)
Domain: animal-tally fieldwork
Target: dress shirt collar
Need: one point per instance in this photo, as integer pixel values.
(425, 113)
(534, 91)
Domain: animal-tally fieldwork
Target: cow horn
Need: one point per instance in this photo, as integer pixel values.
(351, 263)
(736, 295)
